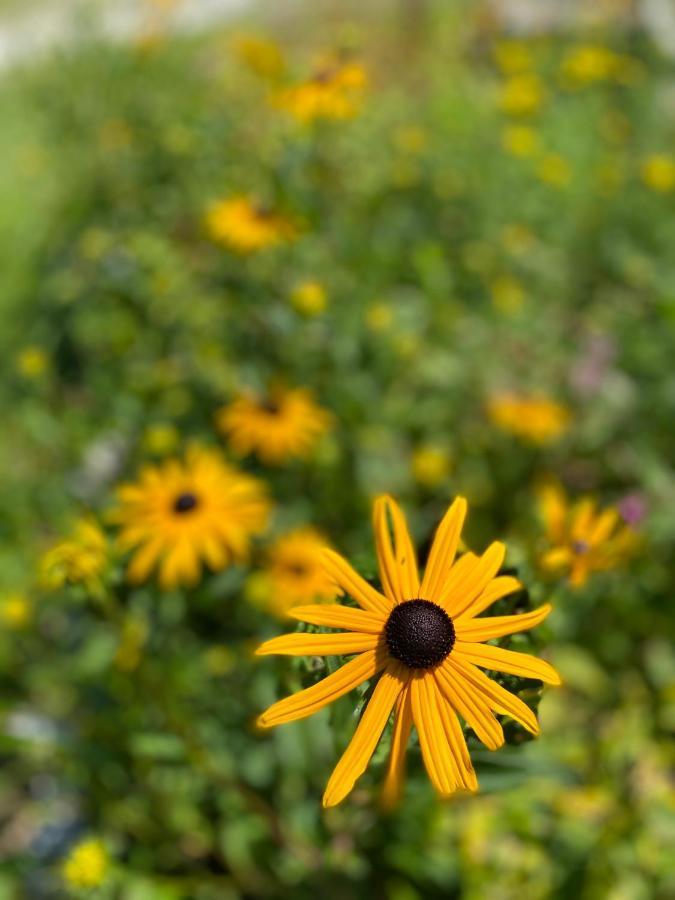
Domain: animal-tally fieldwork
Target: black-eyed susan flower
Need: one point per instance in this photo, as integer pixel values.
(182, 514)
(534, 419)
(424, 640)
(333, 91)
(582, 539)
(80, 558)
(520, 140)
(259, 54)
(309, 298)
(285, 424)
(244, 225)
(521, 95)
(87, 864)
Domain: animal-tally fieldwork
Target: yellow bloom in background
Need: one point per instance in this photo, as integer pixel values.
(79, 559)
(16, 611)
(243, 225)
(554, 170)
(309, 298)
(87, 864)
(508, 294)
(295, 572)
(512, 56)
(423, 638)
(284, 425)
(335, 91)
(430, 465)
(588, 63)
(32, 362)
(183, 514)
(520, 140)
(582, 538)
(379, 317)
(658, 172)
(534, 419)
(160, 439)
(522, 95)
(261, 55)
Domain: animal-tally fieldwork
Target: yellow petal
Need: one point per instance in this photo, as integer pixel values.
(557, 558)
(603, 527)
(443, 549)
(304, 703)
(454, 735)
(456, 576)
(404, 553)
(393, 783)
(582, 519)
(496, 696)
(389, 572)
(332, 615)
(496, 589)
(144, 560)
(346, 578)
(553, 507)
(471, 707)
(500, 660)
(464, 591)
(436, 753)
(318, 644)
(497, 626)
(354, 760)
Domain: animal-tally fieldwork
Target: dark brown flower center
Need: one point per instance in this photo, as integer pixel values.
(185, 503)
(419, 633)
(270, 406)
(580, 547)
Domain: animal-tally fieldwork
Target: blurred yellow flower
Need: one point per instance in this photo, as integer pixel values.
(522, 95)
(15, 611)
(512, 56)
(284, 425)
(582, 539)
(309, 298)
(520, 140)
(430, 465)
(182, 514)
(79, 559)
(219, 660)
(86, 865)
(334, 91)
(294, 571)
(261, 55)
(592, 63)
(658, 172)
(534, 419)
(508, 294)
(554, 170)
(32, 361)
(379, 317)
(160, 439)
(245, 226)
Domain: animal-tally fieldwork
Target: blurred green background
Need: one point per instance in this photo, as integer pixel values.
(497, 216)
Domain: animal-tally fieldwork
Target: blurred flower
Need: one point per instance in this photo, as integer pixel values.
(582, 539)
(219, 660)
(79, 559)
(535, 419)
(294, 571)
(86, 865)
(521, 95)
(379, 317)
(160, 439)
(309, 298)
(334, 91)
(633, 508)
(285, 424)
(261, 55)
(428, 652)
(132, 640)
(245, 226)
(430, 465)
(658, 172)
(508, 294)
(554, 170)
(183, 513)
(32, 361)
(588, 63)
(512, 56)
(520, 140)
(15, 611)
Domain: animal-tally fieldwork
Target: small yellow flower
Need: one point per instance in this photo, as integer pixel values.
(520, 140)
(534, 419)
(15, 611)
(245, 226)
(554, 170)
(658, 172)
(182, 514)
(219, 660)
(160, 439)
(430, 465)
(334, 91)
(295, 572)
(86, 865)
(79, 559)
(512, 56)
(284, 425)
(508, 294)
(522, 95)
(582, 539)
(309, 298)
(588, 63)
(379, 317)
(32, 362)
(261, 55)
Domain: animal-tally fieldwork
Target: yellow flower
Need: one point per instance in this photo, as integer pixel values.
(554, 170)
(508, 294)
(658, 172)
(245, 226)
(260, 55)
(521, 95)
(582, 539)
(534, 419)
(86, 865)
(588, 63)
(15, 611)
(520, 140)
(425, 642)
(295, 572)
(309, 298)
(32, 362)
(379, 317)
(79, 559)
(160, 439)
(285, 424)
(430, 465)
(181, 514)
(512, 56)
(334, 91)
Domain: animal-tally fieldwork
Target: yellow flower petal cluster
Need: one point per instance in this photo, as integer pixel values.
(534, 419)
(294, 572)
(658, 172)
(15, 611)
(309, 298)
(334, 91)
(79, 559)
(259, 54)
(521, 95)
(245, 226)
(87, 864)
